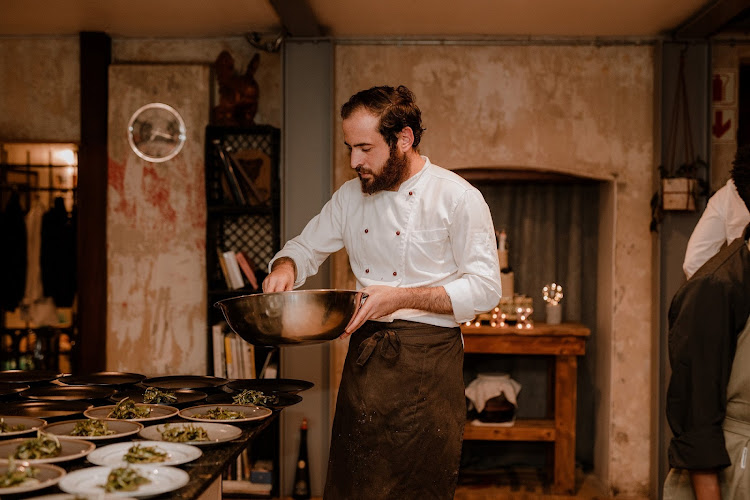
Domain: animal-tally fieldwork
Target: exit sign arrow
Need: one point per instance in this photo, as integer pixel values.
(720, 127)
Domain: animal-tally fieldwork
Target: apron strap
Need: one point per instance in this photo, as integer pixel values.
(390, 347)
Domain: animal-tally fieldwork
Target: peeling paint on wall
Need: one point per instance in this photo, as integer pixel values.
(156, 227)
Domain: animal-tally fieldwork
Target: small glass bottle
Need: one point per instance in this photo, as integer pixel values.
(301, 489)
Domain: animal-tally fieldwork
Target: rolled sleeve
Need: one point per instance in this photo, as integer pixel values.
(478, 289)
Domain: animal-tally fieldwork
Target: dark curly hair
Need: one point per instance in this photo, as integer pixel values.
(741, 173)
(396, 108)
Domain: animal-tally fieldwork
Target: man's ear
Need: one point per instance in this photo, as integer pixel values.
(405, 139)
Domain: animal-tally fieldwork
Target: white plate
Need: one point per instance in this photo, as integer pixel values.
(122, 428)
(217, 433)
(70, 450)
(251, 413)
(31, 423)
(68, 496)
(158, 412)
(46, 475)
(113, 454)
(87, 481)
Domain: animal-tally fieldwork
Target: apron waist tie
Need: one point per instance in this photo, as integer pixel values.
(390, 347)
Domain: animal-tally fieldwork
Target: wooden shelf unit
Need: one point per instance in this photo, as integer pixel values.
(565, 342)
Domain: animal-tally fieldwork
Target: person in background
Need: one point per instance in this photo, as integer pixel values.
(709, 389)
(422, 248)
(725, 217)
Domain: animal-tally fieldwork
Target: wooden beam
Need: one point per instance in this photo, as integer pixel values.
(90, 350)
(711, 19)
(297, 18)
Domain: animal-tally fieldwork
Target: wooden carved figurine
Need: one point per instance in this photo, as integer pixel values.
(238, 94)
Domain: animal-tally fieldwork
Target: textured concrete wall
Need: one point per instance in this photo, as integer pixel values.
(156, 229)
(40, 89)
(581, 110)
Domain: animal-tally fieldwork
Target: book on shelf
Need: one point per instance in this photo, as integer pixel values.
(224, 269)
(231, 175)
(233, 270)
(229, 356)
(247, 268)
(248, 359)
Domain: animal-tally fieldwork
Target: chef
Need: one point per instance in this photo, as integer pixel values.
(421, 245)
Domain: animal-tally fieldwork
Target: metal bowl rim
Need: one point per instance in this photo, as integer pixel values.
(315, 291)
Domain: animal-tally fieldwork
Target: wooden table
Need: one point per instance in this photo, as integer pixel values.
(565, 342)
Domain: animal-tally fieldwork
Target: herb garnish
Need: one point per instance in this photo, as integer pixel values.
(248, 397)
(138, 454)
(220, 414)
(184, 433)
(154, 395)
(42, 446)
(124, 479)
(17, 474)
(127, 408)
(91, 428)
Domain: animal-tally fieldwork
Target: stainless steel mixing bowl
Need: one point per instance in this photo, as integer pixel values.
(290, 318)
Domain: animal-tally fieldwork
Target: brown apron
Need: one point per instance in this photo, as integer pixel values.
(400, 414)
(735, 479)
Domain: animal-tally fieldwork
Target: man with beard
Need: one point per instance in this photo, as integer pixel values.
(421, 245)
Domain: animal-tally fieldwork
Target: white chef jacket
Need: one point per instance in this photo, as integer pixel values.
(436, 230)
(722, 222)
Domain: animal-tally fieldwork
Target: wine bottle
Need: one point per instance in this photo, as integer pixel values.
(301, 490)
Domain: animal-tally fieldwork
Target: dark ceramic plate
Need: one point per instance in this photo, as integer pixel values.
(103, 378)
(68, 392)
(284, 399)
(173, 382)
(48, 410)
(10, 390)
(28, 377)
(184, 396)
(270, 385)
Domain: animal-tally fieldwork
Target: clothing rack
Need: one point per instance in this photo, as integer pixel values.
(25, 180)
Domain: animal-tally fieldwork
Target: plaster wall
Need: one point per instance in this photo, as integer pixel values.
(581, 110)
(156, 229)
(40, 89)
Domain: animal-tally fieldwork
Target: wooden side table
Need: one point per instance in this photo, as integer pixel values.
(565, 342)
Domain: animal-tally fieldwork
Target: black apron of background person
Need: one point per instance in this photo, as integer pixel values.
(400, 414)
(13, 257)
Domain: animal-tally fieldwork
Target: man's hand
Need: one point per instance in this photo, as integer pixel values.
(282, 276)
(384, 300)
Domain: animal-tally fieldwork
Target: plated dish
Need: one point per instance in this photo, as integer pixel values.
(103, 378)
(90, 481)
(184, 382)
(276, 400)
(68, 496)
(270, 385)
(11, 426)
(114, 429)
(180, 397)
(119, 454)
(226, 413)
(70, 449)
(214, 433)
(68, 392)
(155, 412)
(44, 475)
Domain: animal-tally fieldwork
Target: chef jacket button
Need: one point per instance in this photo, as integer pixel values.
(367, 270)
(367, 230)
(394, 273)
(411, 193)
(398, 233)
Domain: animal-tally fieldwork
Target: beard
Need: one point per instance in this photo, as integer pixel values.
(391, 175)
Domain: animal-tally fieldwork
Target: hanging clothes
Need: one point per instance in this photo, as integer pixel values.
(33, 221)
(12, 254)
(58, 254)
